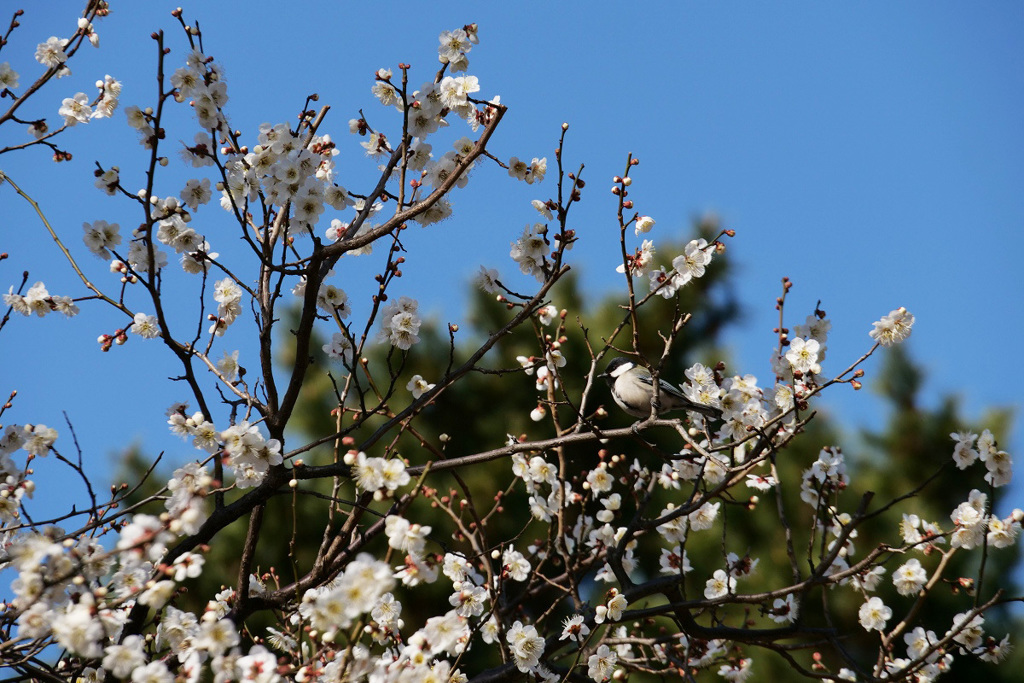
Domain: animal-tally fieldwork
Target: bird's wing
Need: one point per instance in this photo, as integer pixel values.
(665, 387)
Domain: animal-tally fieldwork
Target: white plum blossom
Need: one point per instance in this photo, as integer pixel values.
(803, 355)
(964, 453)
(517, 566)
(228, 365)
(78, 629)
(644, 224)
(538, 169)
(542, 208)
(919, 641)
(693, 261)
(874, 614)
(101, 236)
(469, 600)
(8, 76)
(418, 386)
(386, 611)
(518, 169)
(599, 480)
(675, 562)
(75, 109)
(601, 664)
(704, 516)
(146, 326)
(967, 630)
(719, 585)
(259, 666)
(38, 439)
(333, 300)
(526, 645)
(784, 610)
(910, 577)
(663, 282)
(340, 347)
(575, 629)
(1002, 533)
(546, 315)
(196, 192)
(893, 328)
(108, 181)
(406, 536)
(454, 45)
(51, 53)
(487, 280)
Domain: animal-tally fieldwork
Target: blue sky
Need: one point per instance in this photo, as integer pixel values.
(873, 153)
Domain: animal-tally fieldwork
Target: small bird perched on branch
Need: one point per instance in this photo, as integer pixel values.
(632, 388)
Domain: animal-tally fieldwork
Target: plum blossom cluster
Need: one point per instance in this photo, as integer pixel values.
(972, 526)
(400, 324)
(286, 171)
(893, 328)
(546, 368)
(970, 448)
(39, 301)
(79, 109)
(228, 296)
(54, 55)
(690, 265)
(638, 262)
(532, 172)
(73, 591)
(531, 251)
(377, 475)
(799, 361)
(37, 441)
(249, 454)
(204, 435)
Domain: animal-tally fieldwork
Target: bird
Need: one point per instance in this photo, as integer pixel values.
(632, 388)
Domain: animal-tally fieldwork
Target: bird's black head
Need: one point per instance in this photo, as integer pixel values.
(615, 368)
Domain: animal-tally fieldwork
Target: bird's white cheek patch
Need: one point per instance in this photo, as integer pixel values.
(622, 369)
